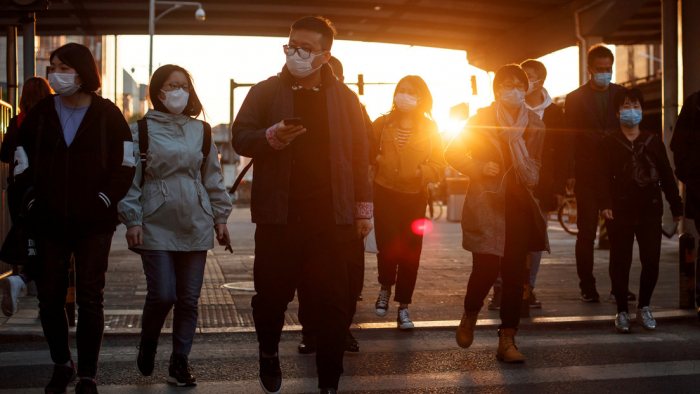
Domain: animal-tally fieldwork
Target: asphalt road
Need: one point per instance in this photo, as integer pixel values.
(560, 358)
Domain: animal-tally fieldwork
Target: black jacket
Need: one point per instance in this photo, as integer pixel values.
(78, 187)
(631, 203)
(270, 101)
(553, 172)
(685, 142)
(586, 128)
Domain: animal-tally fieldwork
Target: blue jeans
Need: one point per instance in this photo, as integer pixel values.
(173, 278)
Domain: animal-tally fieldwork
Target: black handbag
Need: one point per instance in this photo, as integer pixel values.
(19, 247)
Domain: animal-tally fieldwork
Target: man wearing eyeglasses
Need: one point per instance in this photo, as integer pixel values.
(311, 195)
(589, 117)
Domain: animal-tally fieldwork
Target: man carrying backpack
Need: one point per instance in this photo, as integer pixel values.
(633, 171)
(685, 145)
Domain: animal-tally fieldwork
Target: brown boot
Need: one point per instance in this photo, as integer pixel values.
(465, 331)
(507, 349)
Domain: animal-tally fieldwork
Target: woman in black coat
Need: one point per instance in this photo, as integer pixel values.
(633, 171)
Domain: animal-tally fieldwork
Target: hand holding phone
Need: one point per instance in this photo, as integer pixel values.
(288, 129)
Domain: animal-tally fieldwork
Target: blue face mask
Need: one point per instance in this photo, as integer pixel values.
(602, 79)
(630, 117)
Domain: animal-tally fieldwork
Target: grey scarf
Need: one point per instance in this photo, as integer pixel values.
(527, 170)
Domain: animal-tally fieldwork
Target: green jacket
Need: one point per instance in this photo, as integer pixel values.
(176, 207)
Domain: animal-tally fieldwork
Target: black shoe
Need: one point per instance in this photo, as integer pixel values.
(351, 344)
(86, 386)
(179, 372)
(534, 302)
(495, 301)
(329, 391)
(590, 296)
(147, 356)
(62, 376)
(307, 344)
(270, 374)
(630, 296)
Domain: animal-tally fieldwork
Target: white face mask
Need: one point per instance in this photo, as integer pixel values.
(513, 98)
(175, 100)
(405, 102)
(301, 68)
(63, 83)
(531, 87)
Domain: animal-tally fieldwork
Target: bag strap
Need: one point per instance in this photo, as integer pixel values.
(240, 178)
(206, 146)
(143, 146)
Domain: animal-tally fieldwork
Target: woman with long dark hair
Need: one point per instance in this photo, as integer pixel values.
(500, 151)
(409, 159)
(176, 202)
(75, 150)
(34, 89)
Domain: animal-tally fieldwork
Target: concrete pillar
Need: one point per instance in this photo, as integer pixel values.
(583, 56)
(670, 85)
(28, 33)
(11, 61)
(690, 9)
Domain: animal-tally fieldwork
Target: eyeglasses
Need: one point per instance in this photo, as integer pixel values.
(176, 86)
(509, 86)
(290, 51)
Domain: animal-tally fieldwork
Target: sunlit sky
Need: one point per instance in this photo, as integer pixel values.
(214, 60)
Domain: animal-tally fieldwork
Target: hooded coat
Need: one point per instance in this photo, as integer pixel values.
(483, 215)
(179, 202)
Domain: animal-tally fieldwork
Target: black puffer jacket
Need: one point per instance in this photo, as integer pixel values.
(628, 201)
(78, 186)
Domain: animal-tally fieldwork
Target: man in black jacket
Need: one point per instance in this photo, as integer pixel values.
(685, 145)
(589, 117)
(311, 196)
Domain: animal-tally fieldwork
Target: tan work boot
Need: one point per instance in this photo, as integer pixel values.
(465, 331)
(507, 349)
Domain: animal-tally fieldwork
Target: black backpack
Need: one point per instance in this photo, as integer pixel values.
(640, 168)
(143, 146)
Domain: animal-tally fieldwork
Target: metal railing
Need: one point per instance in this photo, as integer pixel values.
(5, 223)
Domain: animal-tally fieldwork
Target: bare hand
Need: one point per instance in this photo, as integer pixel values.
(491, 169)
(287, 133)
(419, 172)
(222, 235)
(363, 227)
(677, 218)
(134, 236)
(607, 214)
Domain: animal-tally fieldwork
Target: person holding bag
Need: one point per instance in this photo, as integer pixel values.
(75, 150)
(500, 150)
(176, 202)
(410, 158)
(634, 169)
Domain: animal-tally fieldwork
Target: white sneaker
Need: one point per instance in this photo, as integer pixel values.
(381, 307)
(11, 286)
(404, 321)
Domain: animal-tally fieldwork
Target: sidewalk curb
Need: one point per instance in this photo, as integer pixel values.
(34, 333)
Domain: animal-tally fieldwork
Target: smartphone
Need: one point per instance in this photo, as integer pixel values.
(292, 122)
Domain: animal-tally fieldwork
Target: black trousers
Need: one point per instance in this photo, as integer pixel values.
(91, 256)
(512, 267)
(309, 317)
(622, 236)
(587, 207)
(398, 244)
(312, 244)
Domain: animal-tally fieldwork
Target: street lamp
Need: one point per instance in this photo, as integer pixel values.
(200, 15)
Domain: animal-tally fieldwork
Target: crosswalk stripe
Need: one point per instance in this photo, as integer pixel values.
(424, 381)
(289, 348)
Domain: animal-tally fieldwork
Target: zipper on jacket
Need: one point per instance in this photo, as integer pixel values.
(65, 191)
